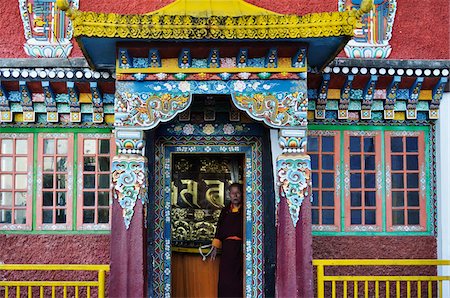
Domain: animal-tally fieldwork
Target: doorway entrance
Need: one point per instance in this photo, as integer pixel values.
(231, 149)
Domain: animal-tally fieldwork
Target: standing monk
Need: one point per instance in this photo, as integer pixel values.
(229, 235)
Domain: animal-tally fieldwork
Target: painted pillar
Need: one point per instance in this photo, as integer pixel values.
(294, 274)
(443, 188)
(128, 222)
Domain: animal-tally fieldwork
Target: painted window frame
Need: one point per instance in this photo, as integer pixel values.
(336, 173)
(32, 209)
(40, 225)
(29, 184)
(347, 186)
(80, 200)
(428, 194)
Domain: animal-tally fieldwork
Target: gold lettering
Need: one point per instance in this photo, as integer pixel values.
(214, 195)
(191, 189)
(174, 194)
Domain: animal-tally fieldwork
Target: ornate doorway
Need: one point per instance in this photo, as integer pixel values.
(185, 209)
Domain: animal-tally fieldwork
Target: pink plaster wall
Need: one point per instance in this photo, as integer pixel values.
(421, 28)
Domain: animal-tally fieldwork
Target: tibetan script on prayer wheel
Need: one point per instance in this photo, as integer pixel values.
(198, 193)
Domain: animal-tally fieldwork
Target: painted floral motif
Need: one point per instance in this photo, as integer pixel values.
(129, 179)
(188, 129)
(208, 129)
(293, 182)
(228, 129)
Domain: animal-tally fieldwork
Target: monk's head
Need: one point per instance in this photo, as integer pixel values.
(235, 190)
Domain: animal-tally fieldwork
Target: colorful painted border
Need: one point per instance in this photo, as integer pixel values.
(252, 148)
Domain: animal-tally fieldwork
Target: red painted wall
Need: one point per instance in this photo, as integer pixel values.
(421, 28)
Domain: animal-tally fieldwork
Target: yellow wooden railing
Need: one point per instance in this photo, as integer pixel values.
(376, 285)
(38, 288)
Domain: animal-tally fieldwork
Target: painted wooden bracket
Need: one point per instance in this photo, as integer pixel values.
(50, 102)
(27, 103)
(391, 98)
(344, 99)
(125, 60)
(367, 99)
(322, 97)
(154, 59)
(97, 103)
(438, 92)
(413, 99)
(74, 102)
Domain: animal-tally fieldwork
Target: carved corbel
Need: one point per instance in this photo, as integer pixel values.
(322, 97)
(413, 99)
(26, 102)
(50, 102)
(74, 102)
(293, 171)
(5, 110)
(437, 94)
(367, 100)
(129, 173)
(97, 103)
(344, 100)
(391, 98)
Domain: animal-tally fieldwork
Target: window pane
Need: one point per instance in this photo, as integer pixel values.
(49, 164)
(103, 163)
(413, 198)
(314, 161)
(49, 146)
(397, 181)
(89, 164)
(370, 217)
(411, 144)
(7, 146)
(355, 144)
(88, 198)
(21, 164)
(5, 181)
(356, 217)
(398, 217)
(20, 199)
(355, 162)
(61, 199)
(413, 217)
(369, 180)
(355, 199)
(327, 144)
(21, 146)
(412, 162)
(88, 216)
(89, 181)
(104, 146)
(20, 217)
(5, 216)
(61, 164)
(315, 179)
(412, 180)
(327, 162)
(62, 147)
(47, 216)
(6, 164)
(61, 181)
(103, 198)
(398, 199)
(48, 181)
(355, 180)
(47, 198)
(21, 182)
(315, 216)
(370, 198)
(369, 144)
(369, 162)
(89, 147)
(60, 216)
(397, 144)
(397, 162)
(103, 215)
(315, 198)
(5, 198)
(312, 144)
(328, 217)
(327, 198)
(327, 180)
(104, 181)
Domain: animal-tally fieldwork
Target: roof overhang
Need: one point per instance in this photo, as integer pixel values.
(325, 34)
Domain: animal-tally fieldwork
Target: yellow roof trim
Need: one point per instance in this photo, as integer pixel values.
(209, 8)
(213, 20)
